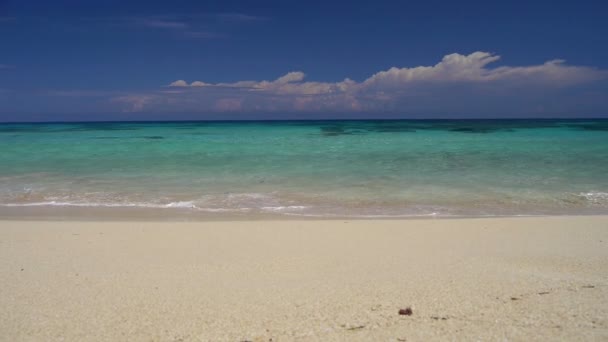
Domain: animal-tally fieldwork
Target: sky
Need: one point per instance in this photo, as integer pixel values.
(223, 60)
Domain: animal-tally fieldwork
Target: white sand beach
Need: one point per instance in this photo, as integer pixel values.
(496, 279)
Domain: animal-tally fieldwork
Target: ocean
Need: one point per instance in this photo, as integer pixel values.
(373, 168)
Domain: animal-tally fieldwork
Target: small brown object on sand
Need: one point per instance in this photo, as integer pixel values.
(356, 328)
(406, 312)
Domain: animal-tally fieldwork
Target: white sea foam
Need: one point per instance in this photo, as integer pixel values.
(37, 204)
(181, 204)
(276, 203)
(82, 204)
(595, 197)
(284, 208)
(172, 205)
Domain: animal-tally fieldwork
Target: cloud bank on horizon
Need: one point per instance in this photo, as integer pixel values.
(454, 81)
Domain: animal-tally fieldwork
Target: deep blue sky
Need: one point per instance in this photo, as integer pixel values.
(98, 60)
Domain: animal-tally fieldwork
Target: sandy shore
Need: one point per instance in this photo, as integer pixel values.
(516, 279)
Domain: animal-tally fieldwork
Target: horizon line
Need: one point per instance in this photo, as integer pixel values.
(302, 120)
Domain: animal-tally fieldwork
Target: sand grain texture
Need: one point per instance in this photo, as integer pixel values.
(516, 279)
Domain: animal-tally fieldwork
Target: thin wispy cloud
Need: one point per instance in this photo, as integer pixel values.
(153, 22)
(160, 23)
(194, 25)
(238, 17)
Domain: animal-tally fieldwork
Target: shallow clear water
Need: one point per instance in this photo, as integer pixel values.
(314, 168)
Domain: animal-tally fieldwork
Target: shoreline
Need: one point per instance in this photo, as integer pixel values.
(524, 278)
(131, 214)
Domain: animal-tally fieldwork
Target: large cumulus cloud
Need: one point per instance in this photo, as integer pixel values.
(460, 82)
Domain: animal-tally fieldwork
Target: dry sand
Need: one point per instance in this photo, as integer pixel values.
(517, 279)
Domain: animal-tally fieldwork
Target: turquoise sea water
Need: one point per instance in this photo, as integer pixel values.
(310, 168)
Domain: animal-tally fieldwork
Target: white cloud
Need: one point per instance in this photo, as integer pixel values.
(452, 68)
(290, 83)
(182, 83)
(554, 72)
(178, 83)
(392, 89)
(294, 76)
(473, 68)
(198, 84)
